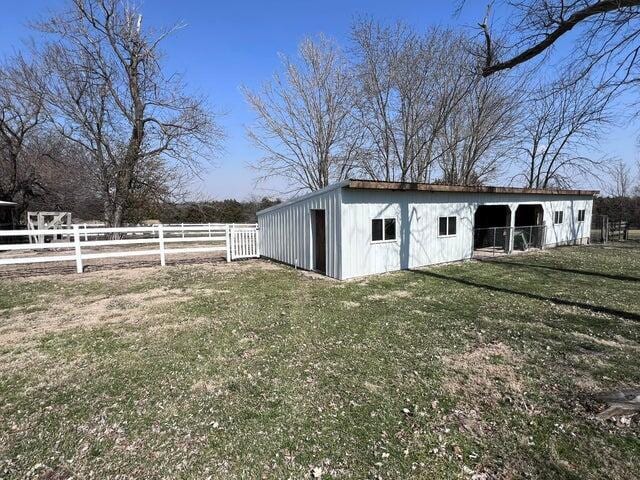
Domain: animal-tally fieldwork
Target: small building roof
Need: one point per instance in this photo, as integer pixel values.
(429, 187)
(7, 204)
(434, 187)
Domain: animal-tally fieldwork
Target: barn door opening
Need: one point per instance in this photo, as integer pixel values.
(529, 229)
(319, 241)
(491, 230)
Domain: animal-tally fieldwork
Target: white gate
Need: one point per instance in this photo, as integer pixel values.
(244, 242)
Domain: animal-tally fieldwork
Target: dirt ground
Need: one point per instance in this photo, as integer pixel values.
(69, 267)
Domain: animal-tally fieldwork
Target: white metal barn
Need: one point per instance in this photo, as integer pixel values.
(359, 227)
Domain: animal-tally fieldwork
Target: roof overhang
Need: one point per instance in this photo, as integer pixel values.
(7, 204)
(432, 187)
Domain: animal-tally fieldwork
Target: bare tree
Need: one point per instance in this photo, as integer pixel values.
(21, 117)
(608, 33)
(304, 118)
(477, 140)
(407, 86)
(106, 91)
(619, 182)
(65, 179)
(560, 124)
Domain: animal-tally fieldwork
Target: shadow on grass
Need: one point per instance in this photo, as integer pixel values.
(624, 278)
(534, 296)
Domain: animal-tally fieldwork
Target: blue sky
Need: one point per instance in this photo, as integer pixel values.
(229, 44)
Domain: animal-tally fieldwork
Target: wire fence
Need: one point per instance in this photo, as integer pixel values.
(604, 230)
(532, 236)
(496, 240)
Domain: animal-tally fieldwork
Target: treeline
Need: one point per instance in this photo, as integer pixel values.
(619, 209)
(212, 211)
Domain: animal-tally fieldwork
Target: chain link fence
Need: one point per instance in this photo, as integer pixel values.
(497, 240)
(532, 236)
(492, 239)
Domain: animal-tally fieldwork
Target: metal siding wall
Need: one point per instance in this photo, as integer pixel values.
(570, 231)
(416, 213)
(417, 242)
(286, 231)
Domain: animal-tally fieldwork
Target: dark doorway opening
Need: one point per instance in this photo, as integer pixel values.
(491, 229)
(529, 229)
(528, 215)
(319, 241)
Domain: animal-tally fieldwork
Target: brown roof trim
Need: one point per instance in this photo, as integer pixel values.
(432, 187)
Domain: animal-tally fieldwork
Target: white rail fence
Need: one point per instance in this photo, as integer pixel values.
(235, 240)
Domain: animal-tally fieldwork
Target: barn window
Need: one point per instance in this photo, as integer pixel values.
(383, 229)
(447, 226)
(581, 215)
(558, 217)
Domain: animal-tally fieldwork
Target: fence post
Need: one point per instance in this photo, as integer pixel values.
(493, 251)
(228, 241)
(257, 232)
(161, 242)
(76, 241)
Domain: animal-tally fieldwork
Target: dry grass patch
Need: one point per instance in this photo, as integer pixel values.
(90, 312)
(485, 374)
(392, 295)
(350, 304)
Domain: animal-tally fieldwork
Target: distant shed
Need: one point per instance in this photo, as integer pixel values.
(360, 227)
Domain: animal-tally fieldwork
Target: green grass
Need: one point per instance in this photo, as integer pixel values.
(254, 372)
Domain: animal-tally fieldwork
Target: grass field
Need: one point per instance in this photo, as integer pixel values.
(250, 370)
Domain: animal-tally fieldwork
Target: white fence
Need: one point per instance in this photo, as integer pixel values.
(244, 242)
(236, 241)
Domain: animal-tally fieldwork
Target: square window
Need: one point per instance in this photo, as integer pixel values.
(383, 229)
(581, 215)
(447, 226)
(558, 217)
(389, 228)
(376, 230)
